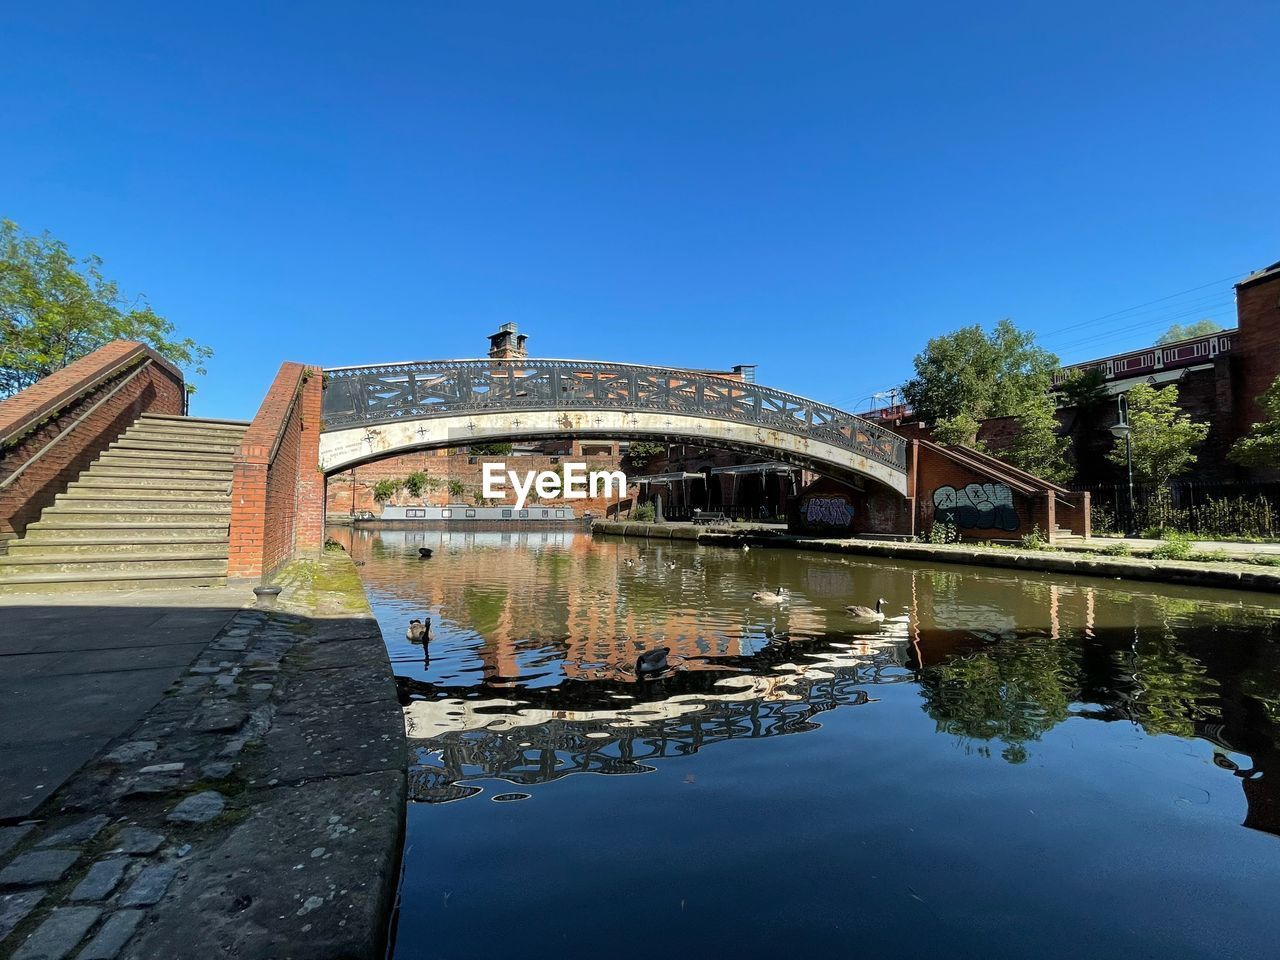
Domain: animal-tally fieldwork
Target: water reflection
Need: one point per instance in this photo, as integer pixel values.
(529, 677)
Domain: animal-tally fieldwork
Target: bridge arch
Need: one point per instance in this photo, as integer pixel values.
(373, 412)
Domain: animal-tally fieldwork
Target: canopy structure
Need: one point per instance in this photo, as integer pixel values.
(668, 477)
(773, 466)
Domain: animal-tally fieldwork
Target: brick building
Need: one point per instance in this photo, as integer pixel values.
(1219, 378)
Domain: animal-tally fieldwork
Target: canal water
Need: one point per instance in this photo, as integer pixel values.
(1006, 766)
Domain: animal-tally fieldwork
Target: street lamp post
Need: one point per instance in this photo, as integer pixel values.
(1124, 431)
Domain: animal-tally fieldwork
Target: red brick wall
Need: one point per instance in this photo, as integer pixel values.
(1074, 513)
(873, 510)
(1257, 349)
(359, 482)
(277, 489)
(46, 410)
(941, 480)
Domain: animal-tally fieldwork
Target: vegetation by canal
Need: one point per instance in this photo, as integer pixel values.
(1004, 766)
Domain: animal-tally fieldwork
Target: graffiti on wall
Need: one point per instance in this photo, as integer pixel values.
(977, 506)
(827, 511)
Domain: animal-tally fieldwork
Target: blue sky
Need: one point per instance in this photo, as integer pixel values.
(817, 188)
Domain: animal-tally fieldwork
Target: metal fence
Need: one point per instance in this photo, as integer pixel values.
(1201, 509)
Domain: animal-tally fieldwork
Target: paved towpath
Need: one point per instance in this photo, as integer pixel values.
(77, 671)
(1232, 548)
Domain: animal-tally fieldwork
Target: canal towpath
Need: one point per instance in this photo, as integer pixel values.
(246, 798)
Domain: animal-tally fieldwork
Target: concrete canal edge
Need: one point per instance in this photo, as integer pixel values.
(257, 811)
(1230, 576)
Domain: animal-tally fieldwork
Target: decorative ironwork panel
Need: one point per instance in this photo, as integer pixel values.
(363, 396)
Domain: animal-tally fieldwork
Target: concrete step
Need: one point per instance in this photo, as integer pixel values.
(151, 471)
(221, 441)
(182, 446)
(146, 502)
(40, 532)
(155, 490)
(72, 582)
(144, 516)
(199, 563)
(160, 453)
(105, 545)
(207, 422)
(162, 463)
(149, 482)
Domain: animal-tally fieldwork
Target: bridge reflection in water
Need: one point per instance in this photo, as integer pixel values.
(577, 730)
(529, 677)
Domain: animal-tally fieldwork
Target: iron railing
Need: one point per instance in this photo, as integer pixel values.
(1201, 509)
(388, 393)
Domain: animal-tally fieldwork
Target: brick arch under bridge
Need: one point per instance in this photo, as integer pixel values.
(372, 412)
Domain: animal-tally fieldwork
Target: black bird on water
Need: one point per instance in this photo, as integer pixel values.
(418, 632)
(652, 661)
(424, 553)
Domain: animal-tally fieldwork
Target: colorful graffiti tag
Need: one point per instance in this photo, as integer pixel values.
(977, 506)
(827, 512)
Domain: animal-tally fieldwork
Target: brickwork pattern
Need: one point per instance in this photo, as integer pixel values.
(46, 410)
(935, 471)
(277, 490)
(356, 485)
(1257, 349)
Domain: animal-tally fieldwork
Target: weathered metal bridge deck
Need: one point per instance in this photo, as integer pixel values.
(373, 411)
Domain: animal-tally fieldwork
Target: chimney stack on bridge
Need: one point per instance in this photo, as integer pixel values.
(507, 344)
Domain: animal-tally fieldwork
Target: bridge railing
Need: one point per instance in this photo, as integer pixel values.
(387, 393)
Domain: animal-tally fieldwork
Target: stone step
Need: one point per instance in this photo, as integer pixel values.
(177, 544)
(207, 422)
(67, 531)
(197, 563)
(166, 470)
(72, 583)
(145, 501)
(155, 490)
(116, 451)
(153, 463)
(150, 481)
(181, 446)
(144, 516)
(219, 441)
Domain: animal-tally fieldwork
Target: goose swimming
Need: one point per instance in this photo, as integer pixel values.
(866, 613)
(652, 661)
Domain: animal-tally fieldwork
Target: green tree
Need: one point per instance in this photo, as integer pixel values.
(979, 374)
(1200, 328)
(1086, 391)
(960, 430)
(1162, 435)
(1260, 447)
(54, 309)
(491, 449)
(642, 451)
(1039, 448)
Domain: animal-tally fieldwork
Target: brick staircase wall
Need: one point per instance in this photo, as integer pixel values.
(277, 490)
(53, 430)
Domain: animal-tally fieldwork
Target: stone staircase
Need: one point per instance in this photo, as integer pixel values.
(152, 511)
